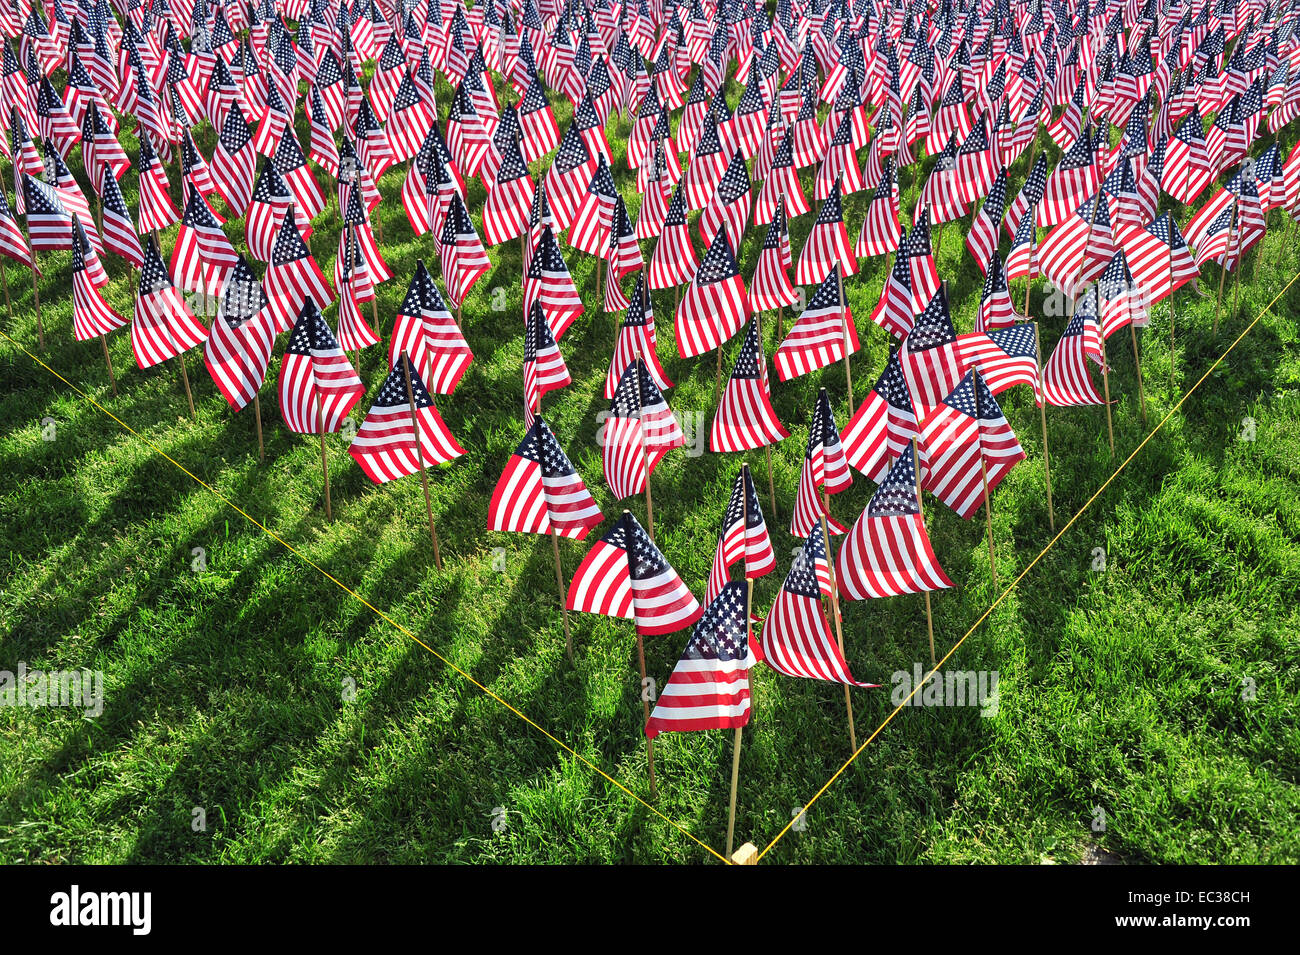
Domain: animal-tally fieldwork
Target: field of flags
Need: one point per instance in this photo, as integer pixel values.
(879, 130)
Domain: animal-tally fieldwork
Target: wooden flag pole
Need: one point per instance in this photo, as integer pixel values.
(1236, 282)
(988, 517)
(1137, 364)
(1033, 239)
(645, 454)
(1171, 315)
(645, 710)
(257, 416)
(564, 603)
(920, 503)
(735, 745)
(717, 376)
(324, 461)
(839, 626)
(1105, 379)
(844, 324)
(36, 298)
(1223, 274)
(1042, 414)
(112, 380)
(185, 379)
(4, 277)
(424, 474)
(780, 314)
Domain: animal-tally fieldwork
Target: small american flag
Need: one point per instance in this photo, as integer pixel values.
(638, 432)
(547, 283)
(385, 444)
(239, 345)
(540, 491)
(709, 687)
(544, 367)
(824, 331)
(742, 537)
(825, 469)
(293, 277)
(164, 326)
(888, 553)
(318, 385)
(883, 424)
(1066, 382)
(625, 575)
(714, 306)
(746, 419)
(426, 331)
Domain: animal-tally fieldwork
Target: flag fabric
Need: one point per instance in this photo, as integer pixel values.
(318, 385)
(823, 333)
(426, 331)
(91, 315)
(164, 326)
(636, 338)
(827, 245)
(797, 639)
(203, 257)
(540, 492)
(967, 428)
(825, 468)
(709, 686)
(385, 444)
(544, 367)
(883, 424)
(293, 277)
(929, 358)
(714, 306)
(742, 537)
(464, 260)
(745, 418)
(638, 432)
(1065, 376)
(1004, 357)
(625, 575)
(888, 553)
(770, 287)
(547, 283)
(239, 344)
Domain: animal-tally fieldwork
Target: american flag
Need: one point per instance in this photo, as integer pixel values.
(742, 537)
(674, 261)
(547, 283)
(729, 205)
(91, 315)
(709, 687)
(270, 200)
(1187, 165)
(996, 308)
(929, 358)
(293, 277)
(825, 469)
(544, 367)
(291, 164)
(625, 575)
(770, 287)
(714, 306)
(1159, 258)
(234, 161)
(882, 425)
(639, 430)
(202, 257)
(821, 335)
(464, 260)
(467, 135)
(49, 221)
(156, 211)
(409, 120)
(888, 553)
(566, 182)
(881, 231)
(537, 122)
(1077, 178)
(505, 213)
(782, 192)
(745, 419)
(827, 245)
(540, 492)
(385, 444)
(239, 344)
(13, 244)
(1004, 356)
(426, 331)
(164, 325)
(1029, 197)
(1065, 376)
(591, 222)
(636, 336)
(982, 239)
(967, 428)
(797, 638)
(318, 385)
(977, 164)
(323, 149)
(1120, 299)
(1078, 250)
(119, 230)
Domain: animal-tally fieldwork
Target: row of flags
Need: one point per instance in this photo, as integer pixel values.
(964, 86)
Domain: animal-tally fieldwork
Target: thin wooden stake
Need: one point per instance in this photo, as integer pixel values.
(324, 461)
(419, 449)
(1171, 322)
(735, 745)
(257, 416)
(920, 503)
(1105, 383)
(1137, 363)
(1042, 414)
(839, 626)
(848, 368)
(185, 379)
(564, 602)
(988, 518)
(112, 380)
(645, 455)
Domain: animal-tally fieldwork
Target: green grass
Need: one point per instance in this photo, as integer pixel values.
(225, 689)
